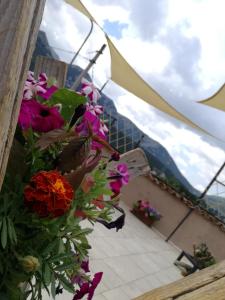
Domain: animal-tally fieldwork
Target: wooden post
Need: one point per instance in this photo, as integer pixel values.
(54, 69)
(19, 25)
(207, 284)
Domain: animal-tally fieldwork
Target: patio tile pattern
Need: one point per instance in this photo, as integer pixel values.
(134, 260)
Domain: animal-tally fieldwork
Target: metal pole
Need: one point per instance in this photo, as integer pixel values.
(85, 40)
(200, 197)
(104, 85)
(85, 71)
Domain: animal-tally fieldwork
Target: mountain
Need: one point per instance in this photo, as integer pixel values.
(159, 158)
(42, 48)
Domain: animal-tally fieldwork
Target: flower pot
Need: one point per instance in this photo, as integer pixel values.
(141, 216)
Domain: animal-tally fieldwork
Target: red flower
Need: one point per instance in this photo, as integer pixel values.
(48, 194)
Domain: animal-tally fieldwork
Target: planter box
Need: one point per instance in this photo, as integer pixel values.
(141, 216)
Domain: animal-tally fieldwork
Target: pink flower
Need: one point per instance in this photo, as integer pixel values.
(120, 176)
(39, 87)
(123, 171)
(88, 288)
(115, 186)
(94, 109)
(85, 265)
(39, 117)
(42, 78)
(31, 89)
(96, 125)
(30, 76)
(48, 92)
(88, 89)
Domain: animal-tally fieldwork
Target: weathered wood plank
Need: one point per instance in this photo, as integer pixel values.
(53, 68)
(187, 285)
(19, 24)
(212, 291)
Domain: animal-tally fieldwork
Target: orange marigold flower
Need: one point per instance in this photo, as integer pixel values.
(48, 194)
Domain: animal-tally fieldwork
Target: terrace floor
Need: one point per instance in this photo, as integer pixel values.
(134, 260)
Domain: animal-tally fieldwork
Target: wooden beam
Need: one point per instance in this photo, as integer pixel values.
(214, 290)
(193, 285)
(54, 69)
(19, 25)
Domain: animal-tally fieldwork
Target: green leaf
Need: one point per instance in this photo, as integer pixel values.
(66, 283)
(84, 231)
(46, 273)
(1, 220)
(50, 247)
(1, 268)
(65, 266)
(60, 257)
(61, 246)
(53, 290)
(11, 231)
(4, 233)
(69, 100)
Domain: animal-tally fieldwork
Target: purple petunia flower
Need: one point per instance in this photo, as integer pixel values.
(123, 171)
(85, 265)
(120, 176)
(96, 125)
(116, 186)
(88, 288)
(39, 117)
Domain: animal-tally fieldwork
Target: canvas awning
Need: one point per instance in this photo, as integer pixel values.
(217, 100)
(125, 76)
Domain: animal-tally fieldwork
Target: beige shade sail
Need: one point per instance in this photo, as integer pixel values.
(125, 76)
(217, 100)
(79, 6)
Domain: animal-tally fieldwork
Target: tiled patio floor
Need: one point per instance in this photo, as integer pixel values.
(134, 260)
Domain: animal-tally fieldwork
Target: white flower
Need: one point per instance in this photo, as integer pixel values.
(89, 90)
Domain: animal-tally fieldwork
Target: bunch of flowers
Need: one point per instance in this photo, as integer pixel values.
(60, 179)
(148, 211)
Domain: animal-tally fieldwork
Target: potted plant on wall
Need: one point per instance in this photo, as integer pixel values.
(143, 210)
(203, 256)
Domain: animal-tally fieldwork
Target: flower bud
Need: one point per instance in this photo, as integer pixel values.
(30, 263)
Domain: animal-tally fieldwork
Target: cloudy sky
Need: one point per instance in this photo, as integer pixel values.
(178, 47)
